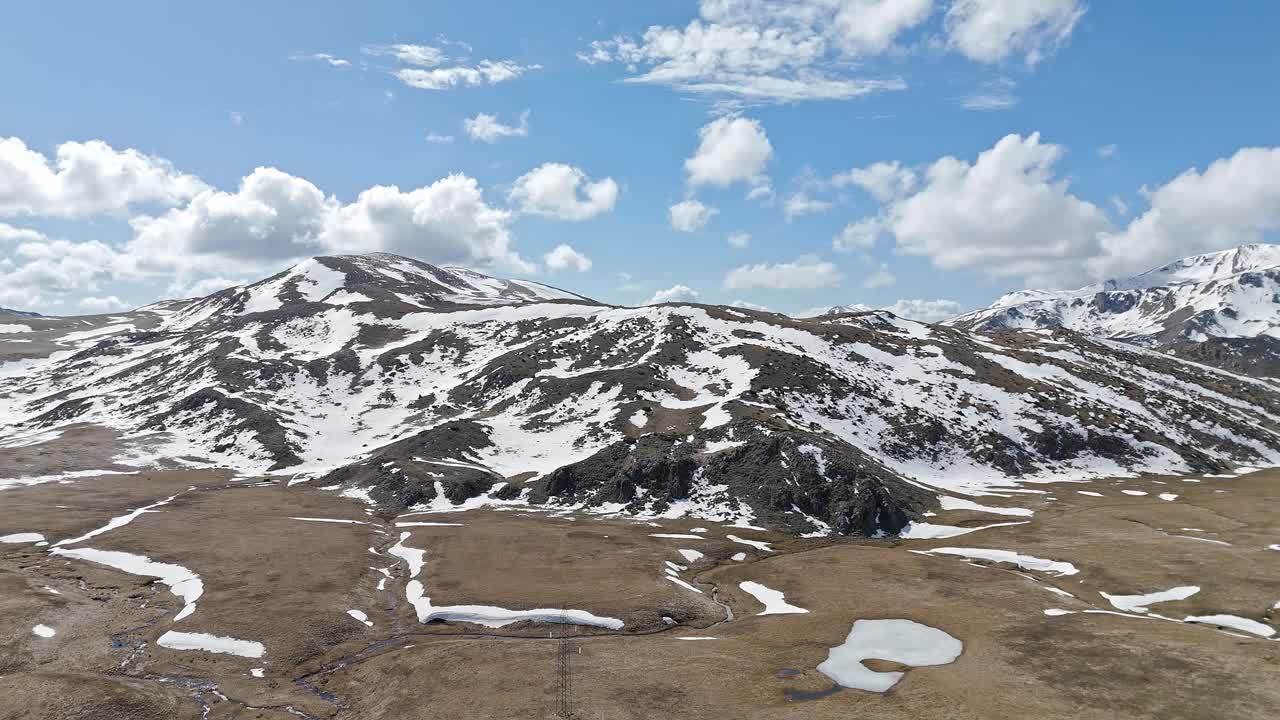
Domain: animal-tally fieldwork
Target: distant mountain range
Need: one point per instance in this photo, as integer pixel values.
(420, 386)
(17, 313)
(1222, 309)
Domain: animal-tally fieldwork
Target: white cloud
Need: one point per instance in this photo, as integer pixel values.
(928, 311)
(691, 215)
(564, 192)
(881, 278)
(798, 204)
(1236, 200)
(807, 272)
(277, 217)
(411, 54)
(989, 31)
(675, 293)
(749, 306)
(85, 179)
(739, 239)
(883, 180)
(322, 57)
(992, 95)
(487, 72)
(1108, 151)
(487, 128)
(436, 138)
(768, 50)
(11, 233)
(98, 305)
(45, 271)
(858, 235)
(564, 257)
(202, 287)
(730, 149)
(236, 118)
(1005, 215)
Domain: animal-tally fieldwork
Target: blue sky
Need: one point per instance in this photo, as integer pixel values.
(1077, 107)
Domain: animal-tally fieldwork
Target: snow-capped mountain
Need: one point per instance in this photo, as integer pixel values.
(418, 386)
(1222, 308)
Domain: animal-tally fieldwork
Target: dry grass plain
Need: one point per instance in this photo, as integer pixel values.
(288, 584)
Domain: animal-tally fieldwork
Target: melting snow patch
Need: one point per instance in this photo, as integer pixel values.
(427, 524)
(739, 557)
(413, 557)
(1026, 562)
(690, 555)
(360, 616)
(257, 672)
(1133, 492)
(954, 503)
(757, 544)
(774, 601)
(22, 538)
(181, 581)
(1090, 493)
(639, 419)
(697, 637)
(1168, 497)
(116, 522)
(900, 641)
(211, 643)
(929, 531)
(1139, 603)
(682, 583)
(675, 536)
(331, 520)
(1236, 623)
(44, 631)
(495, 617)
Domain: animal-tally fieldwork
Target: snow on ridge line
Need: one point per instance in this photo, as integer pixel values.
(181, 581)
(211, 643)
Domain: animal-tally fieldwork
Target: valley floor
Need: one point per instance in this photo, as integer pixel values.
(316, 606)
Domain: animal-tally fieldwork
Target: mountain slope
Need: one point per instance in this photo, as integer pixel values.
(417, 386)
(1221, 308)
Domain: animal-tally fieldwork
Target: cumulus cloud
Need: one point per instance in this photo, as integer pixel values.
(690, 215)
(1235, 200)
(799, 204)
(807, 272)
(739, 239)
(730, 149)
(768, 50)
(487, 128)
(436, 138)
(564, 257)
(1005, 215)
(45, 271)
(673, 294)
(749, 306)
(563, 192)
(1008, 215)
(86, 179)
(275, 216)
(486, 72)
(989, 31)
(928, 311)
(11, 233)
(883, 180)
(858, 235)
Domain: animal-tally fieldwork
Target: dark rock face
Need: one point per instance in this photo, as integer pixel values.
(243, 416)
(788, 479)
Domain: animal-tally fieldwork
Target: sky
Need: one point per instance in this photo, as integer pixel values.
(921, 155)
